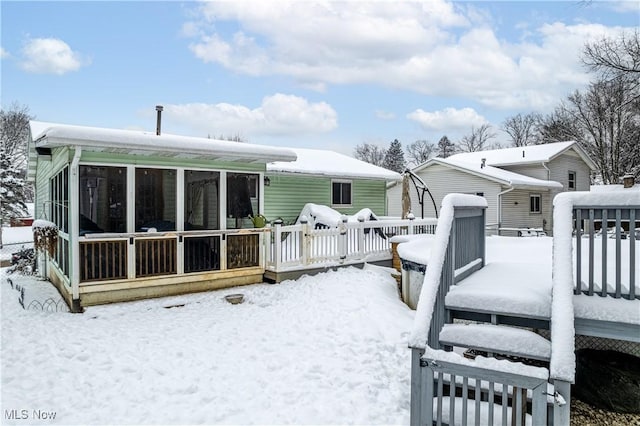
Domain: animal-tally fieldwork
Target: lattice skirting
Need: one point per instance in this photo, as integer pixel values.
(602, 344)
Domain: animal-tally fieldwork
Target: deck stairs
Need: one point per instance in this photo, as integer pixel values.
(482, 351)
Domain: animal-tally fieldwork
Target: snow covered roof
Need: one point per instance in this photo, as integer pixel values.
(51, 135)
(329, 163)
(496, 174)
(524, 155)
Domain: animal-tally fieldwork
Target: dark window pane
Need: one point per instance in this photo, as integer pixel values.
(242, 199)
(201, 200)
(103, 199)
(155, 200)
(341, 193)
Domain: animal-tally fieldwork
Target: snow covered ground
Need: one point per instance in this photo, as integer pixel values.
(328, 349)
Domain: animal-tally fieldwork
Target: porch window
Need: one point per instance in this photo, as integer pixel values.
(341, 193)
(103, 199)
(572, 181)
(59, 186)
(155, 199)
(202, 200)
(535, 203)
(242, 199)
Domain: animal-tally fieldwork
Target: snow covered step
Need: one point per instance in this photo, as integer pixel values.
(499, 339)
(512, 289)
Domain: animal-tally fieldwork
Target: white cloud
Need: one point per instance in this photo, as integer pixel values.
(278, 114)
(3, 53)
(449, 119)
(50, 56)
(433, 47)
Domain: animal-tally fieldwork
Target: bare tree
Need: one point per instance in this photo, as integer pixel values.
(523, 129)
(608, 114)
(370, 153)
(420, 151)
(477, 139)
(558, 126)
(612, 57)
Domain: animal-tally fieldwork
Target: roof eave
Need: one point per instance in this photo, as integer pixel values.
(335, 175)
(237, 155)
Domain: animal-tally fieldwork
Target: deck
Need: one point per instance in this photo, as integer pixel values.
(518, 317)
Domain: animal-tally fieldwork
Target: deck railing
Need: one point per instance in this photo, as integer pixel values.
(107, 257)
(302, 246)
(464, 394)
(605, 250)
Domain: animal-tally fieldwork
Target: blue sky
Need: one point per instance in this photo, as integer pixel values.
(310, 74)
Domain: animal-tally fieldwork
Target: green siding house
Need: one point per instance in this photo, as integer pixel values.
(327, 178)
(144, 214)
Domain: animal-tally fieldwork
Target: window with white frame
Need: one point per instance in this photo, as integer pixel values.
(341, 193)
(535, 203)
(103, 199)
(572, 181)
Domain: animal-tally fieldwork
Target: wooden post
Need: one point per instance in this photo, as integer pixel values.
(416, 414)
(277, 252)
(343, 240)
(305, 240)
(361, 248)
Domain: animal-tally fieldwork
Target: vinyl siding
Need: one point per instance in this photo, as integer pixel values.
(531, 170)
(561, 165)
(515, 210)
(442, 181)
(286, 195)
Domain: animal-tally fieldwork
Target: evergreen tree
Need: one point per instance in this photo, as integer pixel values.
(14, 191)
(394, 157)
(11, 189)
(445, 147)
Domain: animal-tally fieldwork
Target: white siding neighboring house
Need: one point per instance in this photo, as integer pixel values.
(518, 183)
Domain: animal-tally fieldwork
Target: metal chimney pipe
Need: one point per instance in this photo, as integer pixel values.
(159, 108)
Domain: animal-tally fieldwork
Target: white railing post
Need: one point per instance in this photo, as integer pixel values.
(277, 245)
(361, 242)
(267, 241)
(343, 239)
(411, 229)
(305, 240)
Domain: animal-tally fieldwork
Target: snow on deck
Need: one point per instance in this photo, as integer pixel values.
(517, 280)
(506, 287)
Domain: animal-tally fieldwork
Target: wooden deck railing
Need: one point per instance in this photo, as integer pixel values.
(301, 246)
(156, 256)
(106, 257)
(103, 260)
(605, 250)
(464, 394)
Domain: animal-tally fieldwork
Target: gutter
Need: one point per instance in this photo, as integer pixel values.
(500, 206)
(544, 164)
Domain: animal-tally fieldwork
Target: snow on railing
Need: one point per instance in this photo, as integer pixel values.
(575, 212)
(300, 246)
(443, 246)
